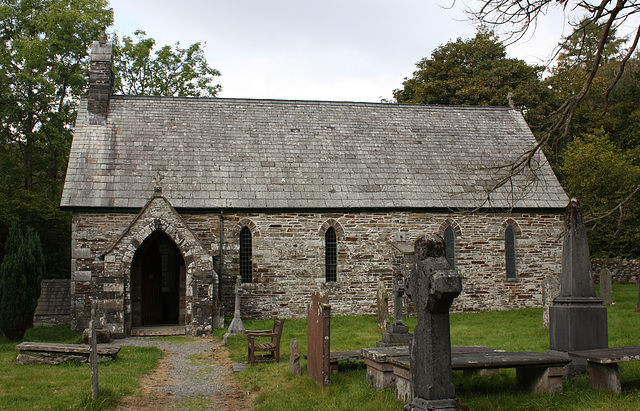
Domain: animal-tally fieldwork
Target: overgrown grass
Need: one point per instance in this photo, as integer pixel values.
(519, 330)
(68, 386)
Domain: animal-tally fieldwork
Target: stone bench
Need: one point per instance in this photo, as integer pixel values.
(380, 372)
(535, 372)
(602, 365)
(52, 353)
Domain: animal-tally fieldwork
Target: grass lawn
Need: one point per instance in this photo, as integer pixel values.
(68, 386)
(519, 330)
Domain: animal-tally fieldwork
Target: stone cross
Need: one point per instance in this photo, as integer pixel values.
(432, 286)
(606, 291)
(236, 326)
(319, 339)
(398, 294)
(577, 318)
(93, 354)
(382, 305)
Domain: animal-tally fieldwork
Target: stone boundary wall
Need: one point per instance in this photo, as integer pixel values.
(623, 270)
(288, 256)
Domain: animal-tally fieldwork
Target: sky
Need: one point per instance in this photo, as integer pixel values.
(339, 50)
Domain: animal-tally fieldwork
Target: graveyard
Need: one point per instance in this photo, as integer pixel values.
(517, 330)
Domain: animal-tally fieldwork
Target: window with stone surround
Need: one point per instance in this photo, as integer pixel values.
(510, 252)
(246, 267)
(331, 255)
(450, 246)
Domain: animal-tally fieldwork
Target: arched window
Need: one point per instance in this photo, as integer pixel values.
(450, 246)
(510, 252)
(246, 268)
(331, 255)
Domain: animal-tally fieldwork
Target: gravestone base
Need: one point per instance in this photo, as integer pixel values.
(420, 404)
(395, 335)
(577, 326)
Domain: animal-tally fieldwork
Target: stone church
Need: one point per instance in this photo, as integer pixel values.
(173, 198)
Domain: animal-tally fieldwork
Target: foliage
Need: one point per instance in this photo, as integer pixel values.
(519, 17)
(510, 330)
(476, 71)
(604, 178)
(22, 269)
(172, 72)
(68, 386)
(42, 52)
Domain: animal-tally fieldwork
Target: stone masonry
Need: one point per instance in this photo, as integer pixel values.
(288, 257)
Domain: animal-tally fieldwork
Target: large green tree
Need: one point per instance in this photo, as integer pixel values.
(476, 71)
(44, 45)
(169, 71)
(21, 271)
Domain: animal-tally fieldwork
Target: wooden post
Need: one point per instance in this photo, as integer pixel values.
(93, 356)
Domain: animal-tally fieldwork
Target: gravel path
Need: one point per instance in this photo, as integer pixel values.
(194, 374)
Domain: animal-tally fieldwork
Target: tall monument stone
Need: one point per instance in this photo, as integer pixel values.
(432, 286)
(577, 318)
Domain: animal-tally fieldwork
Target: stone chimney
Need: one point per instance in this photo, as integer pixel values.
(100, 79)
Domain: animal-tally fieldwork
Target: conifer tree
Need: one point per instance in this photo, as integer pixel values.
(22, 269)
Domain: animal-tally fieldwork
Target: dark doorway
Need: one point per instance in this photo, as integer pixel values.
(157, 282)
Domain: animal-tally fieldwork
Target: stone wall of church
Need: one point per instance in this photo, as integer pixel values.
(288, 256)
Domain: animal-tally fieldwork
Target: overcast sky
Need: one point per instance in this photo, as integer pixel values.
(343, 50)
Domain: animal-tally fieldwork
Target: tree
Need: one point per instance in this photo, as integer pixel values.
(21, 271)
(476, 71)
(519, 17)
(604, 178)
(43, 48)
(171, 72)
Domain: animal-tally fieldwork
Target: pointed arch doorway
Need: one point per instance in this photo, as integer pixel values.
(157, 283)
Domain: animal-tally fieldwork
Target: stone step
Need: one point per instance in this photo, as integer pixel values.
(158, 331)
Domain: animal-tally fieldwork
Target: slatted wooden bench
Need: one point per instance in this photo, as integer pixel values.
(51, 353)
(602, 365)
(535, 372)
(272, 348)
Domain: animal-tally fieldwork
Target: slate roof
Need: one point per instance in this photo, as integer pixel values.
(275, 154)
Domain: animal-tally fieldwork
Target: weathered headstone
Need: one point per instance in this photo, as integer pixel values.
(294, 357)
(397, 333)
(382, 305)
(93, 355)
(432, 286)
(550, 290)
(318, 339)
(577, 318)
(606, 290)
(236, 326)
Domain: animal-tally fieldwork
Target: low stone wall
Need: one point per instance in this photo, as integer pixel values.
(623, 270)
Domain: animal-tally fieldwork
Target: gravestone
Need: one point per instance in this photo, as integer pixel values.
(577, 318)
(397, 333)
(432, 286)
(606, 290)
(294, 357)
(382, 305)
(318, 339)
(93, 354)
(236, 326)
(550, 290)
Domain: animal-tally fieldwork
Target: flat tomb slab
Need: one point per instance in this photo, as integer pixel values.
(602, 365)
(384, 354)
(52, 353)
(535, 372)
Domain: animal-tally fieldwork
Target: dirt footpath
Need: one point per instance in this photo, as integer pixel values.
(193, 374)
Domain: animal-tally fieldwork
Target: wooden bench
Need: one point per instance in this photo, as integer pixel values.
(272, 348)
(535, 372)
(602, 365)
(380, 370)
(51, 353)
